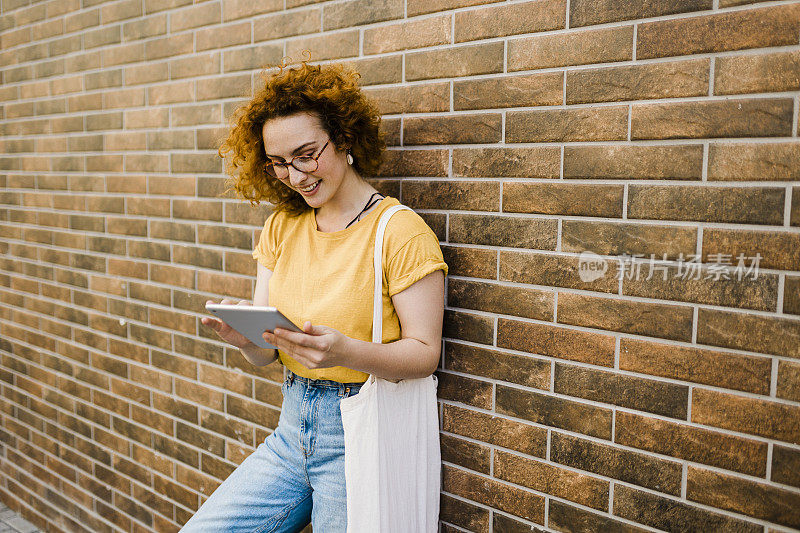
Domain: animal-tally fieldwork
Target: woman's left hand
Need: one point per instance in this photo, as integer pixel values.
(317, 347)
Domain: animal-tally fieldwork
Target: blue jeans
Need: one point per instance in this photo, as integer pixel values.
(295, 476)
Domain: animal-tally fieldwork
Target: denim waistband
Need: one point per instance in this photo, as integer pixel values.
(323, 383)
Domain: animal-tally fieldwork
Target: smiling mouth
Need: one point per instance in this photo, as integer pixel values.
(310, 188)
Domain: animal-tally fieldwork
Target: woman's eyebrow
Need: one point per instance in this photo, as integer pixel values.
(295, 151)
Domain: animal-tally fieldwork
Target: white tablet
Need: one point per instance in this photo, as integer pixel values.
(251, 321)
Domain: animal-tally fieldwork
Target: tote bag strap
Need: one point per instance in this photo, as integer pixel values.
(377, 302)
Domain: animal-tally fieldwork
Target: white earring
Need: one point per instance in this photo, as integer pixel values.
(349, 158)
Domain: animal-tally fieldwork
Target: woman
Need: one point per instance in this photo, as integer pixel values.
(303, 143)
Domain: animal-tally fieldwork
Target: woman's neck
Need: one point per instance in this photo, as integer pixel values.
(349, 201)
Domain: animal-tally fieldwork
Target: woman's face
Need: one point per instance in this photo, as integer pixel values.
(302, 134)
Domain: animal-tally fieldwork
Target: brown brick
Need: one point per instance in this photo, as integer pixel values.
(609, 238)
(169, 46)
(426, 98)
(252, 58)
(509, 91)
(462, 389)
(358, 12)
(223, 36)
(639, 82)
(771, 72)
(497, 365)
(734, 30)
(785, 465)
(632, 467)
(764, 418)
(777, 249)
(390, 127)
(378, 70)
(419, 7)
(452, 129)
(463, 514)
(566, 48)
(454, 62)
(515, 232)
(568, 125)
(633, 162)
(698, 365)
(196, 115)
(282, 25)
(195, 65)
(326, 46)
(563, 199)
(757, 162)
(407, 163)
(468, 327)
(691, 443)
(120, 11)
(81, 20)
(471, 262)
(142, 28)
(489, 492)
(553, 271)
(495, 430)
(552, 411)
(715, 285)
(789, 380)
(464, 453)
(554, 341)
(709, 119)
(502, 299)
(641, 318)
(509, 19)
(176, 92)
(252, 411)
(94, 38)
(147, 73)
(536, 162)
(771, 335)
(671, 515)
(234, 86)
(743, 496)
(543, 477)
(196, 163)
(745, 205)
(633, 392)
(588, 12)
(408, 35)
(565, 517)
(467, 195)
(204, 14)
(236, 9)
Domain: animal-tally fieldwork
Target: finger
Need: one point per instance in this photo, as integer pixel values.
(301, 339)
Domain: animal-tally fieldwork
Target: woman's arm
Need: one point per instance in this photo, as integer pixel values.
(260, 356)
(420, 309)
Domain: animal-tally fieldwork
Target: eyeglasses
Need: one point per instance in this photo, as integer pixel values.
(303, 163)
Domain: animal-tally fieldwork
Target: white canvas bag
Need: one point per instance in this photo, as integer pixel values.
(392, 462)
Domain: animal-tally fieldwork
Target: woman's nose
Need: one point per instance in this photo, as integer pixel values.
(296, 177)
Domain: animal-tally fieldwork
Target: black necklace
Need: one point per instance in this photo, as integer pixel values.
(370, 203)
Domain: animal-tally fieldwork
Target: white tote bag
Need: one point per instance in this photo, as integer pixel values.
(392, 462)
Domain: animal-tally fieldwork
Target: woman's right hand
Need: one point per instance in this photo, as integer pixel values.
(224, 331)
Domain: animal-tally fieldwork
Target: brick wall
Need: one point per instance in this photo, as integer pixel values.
(539, 139)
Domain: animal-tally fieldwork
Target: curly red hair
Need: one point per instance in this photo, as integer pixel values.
(331, 93)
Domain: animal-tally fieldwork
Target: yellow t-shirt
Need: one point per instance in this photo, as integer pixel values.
(328, 278)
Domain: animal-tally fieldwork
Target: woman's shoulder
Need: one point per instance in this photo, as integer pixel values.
(406, 222)
(282, 220)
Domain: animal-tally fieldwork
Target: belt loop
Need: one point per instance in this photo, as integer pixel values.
(291, 377)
